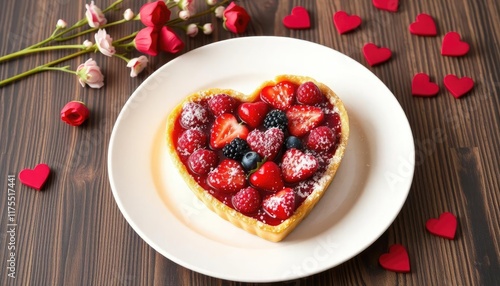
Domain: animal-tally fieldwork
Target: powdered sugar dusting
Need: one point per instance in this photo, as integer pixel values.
(194, 115)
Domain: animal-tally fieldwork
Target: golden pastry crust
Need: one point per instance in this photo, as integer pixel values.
(251, 225)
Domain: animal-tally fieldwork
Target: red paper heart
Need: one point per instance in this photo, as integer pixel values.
(375, 55)
(458, 86)
(445, 226)
(396, 260)
(421, 85)
(298, 19)
(423, 26)
(345, 23)
(453, 46)
(388, 5)
(35, 178)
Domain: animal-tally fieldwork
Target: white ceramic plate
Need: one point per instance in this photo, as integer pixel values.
(365, 197)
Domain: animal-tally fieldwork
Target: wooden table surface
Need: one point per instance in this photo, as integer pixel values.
(72, 233)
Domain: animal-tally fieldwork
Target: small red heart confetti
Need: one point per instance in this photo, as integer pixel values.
(458, 86)
(35, 178)
(298, 19)
(421, 85)
(423, 26)
(445, 226)
(375, 55)
(345, 22)
(453, 46)
(388, 5)
(396, 260)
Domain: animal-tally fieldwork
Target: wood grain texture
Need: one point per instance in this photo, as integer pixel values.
(74, 234)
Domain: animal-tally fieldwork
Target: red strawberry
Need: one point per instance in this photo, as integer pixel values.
(279, 96)
(221, 103)
(266, 144)
(247, 200)
(303, 118)
(280, 205)
(297, 166)
(225, 129)
(202, 161)
(190, 140)
(267, 177)
(309, 93)
(253, 113)
(321, 139)
(228, 177)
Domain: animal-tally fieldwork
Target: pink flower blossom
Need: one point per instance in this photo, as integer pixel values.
(169, 41)
(104, 43)
(90, 73)
(154, 14)
(61, 24)
(75, 113)
(187, 5)
(146, 41)
(219, 11)
(88, 44)
(137, 65)
(192, 30)
(208, 29)
(184, 15)
(94, 15)
(128, 14)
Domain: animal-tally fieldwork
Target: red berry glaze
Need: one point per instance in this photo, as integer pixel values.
(190, 140)
(228, 177)
(267, 177)
(303, 118)
(253, 113)
(321, 139)
(309, 93)
(247, 200)
(202, 161)
(297, 166)
(221, 103)
(280, 205)
(225, 129)
(267, 144)
(280, 96)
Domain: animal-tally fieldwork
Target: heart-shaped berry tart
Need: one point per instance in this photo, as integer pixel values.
(261, 161)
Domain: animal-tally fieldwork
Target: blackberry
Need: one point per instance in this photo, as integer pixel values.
(236, 149)
(276, 118)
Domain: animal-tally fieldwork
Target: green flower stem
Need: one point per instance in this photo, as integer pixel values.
(41, 68)
(129, 37)
(64, 69)
(122, 57)
(90, 31)
(42, 49)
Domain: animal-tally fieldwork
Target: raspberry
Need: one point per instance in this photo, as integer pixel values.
(309, 93)
(221, 103)
(191, 140)
(321, 139)
(194, 115)
(202, 161)
(236, 149)
(247, 200)
(276, 118)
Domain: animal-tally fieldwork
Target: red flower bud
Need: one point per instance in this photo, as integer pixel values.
(169, 41)
(146, 41)
(154, 14)
(74, 113)
(236, 18)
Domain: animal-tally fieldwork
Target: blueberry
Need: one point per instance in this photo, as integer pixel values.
(250, 160)
(293, 142)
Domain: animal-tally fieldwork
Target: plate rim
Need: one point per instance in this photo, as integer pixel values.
(179, 261)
